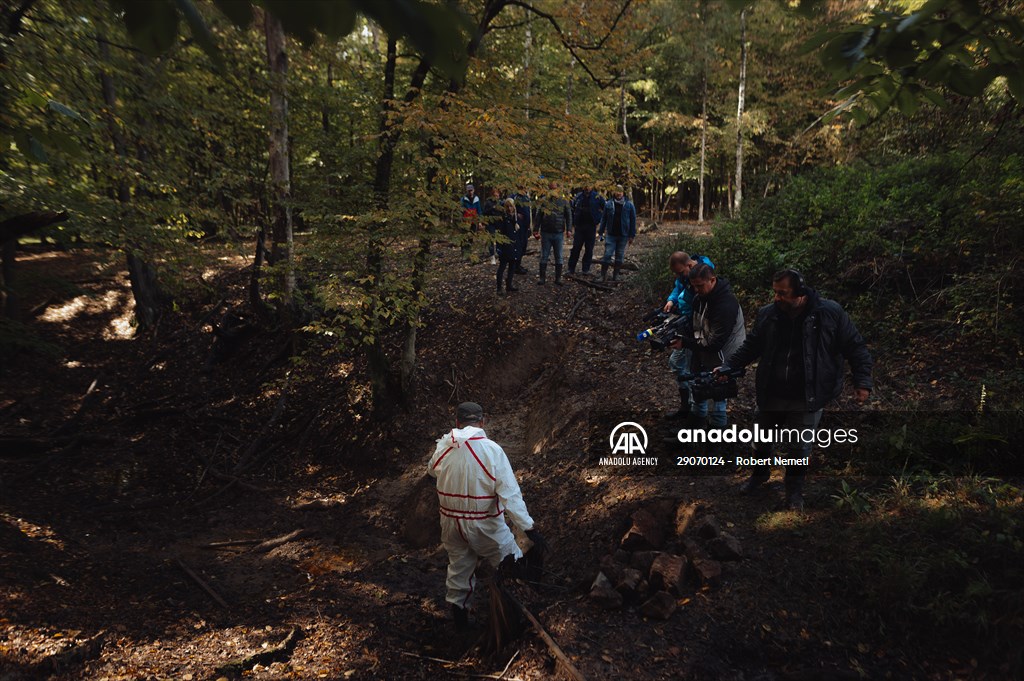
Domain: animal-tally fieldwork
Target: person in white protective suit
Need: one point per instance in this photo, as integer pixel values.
(476, 491)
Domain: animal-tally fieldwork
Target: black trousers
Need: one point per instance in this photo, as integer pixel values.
(583, 239)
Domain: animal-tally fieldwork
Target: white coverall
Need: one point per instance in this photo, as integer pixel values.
(476, 490)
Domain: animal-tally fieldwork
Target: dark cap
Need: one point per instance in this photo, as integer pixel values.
(469, 412)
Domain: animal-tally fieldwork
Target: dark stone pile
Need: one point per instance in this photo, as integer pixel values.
(661, 558)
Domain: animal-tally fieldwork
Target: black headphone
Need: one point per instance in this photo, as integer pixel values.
(801, 287)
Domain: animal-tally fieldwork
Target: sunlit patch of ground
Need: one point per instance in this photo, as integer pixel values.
(118, 301)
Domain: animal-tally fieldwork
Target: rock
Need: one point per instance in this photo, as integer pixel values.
(612, 568)
(693, 550)
(630, 582)
(708, 572)
(725, 547)
(660, 606)
(668, 572)
(604, 595)
(708, 528)
(683, 517)
(642, 561)
(621, 556)
(645, 533)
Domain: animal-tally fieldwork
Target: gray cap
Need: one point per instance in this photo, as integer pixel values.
(469, 412)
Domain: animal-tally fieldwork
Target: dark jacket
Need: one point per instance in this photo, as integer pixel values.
(511, 227)
(588, 205)
(717, 327)
(554, 215)
(828, 336)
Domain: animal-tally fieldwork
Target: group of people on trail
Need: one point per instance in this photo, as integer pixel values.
(552, 219)
(800, 341)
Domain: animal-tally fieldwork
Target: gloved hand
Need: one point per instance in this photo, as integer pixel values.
(538, 540)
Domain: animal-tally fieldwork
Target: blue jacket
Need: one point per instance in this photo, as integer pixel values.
(628, 218)
(588, 201)
(682, 293)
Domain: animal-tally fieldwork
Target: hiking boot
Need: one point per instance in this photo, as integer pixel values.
(615, 271)
(753, 483)
(684, 405)
(794, 493)
(461, 617)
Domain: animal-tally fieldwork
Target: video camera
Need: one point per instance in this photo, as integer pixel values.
(708, 385)
(667, 328)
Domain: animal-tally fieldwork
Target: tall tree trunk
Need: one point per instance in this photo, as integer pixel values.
(526, 57)
(703, 113)
(738, 195)
(280, 171)
(379, 366)
(149, 296)
(622, 112)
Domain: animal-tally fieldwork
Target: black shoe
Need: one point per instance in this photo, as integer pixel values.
(558, 275)
(752, 484)
(543, 275)
(684, 405)
(604, 273)
(510, 288)
(615, 271)
(795, 502)
(521, 270)
(461, 616)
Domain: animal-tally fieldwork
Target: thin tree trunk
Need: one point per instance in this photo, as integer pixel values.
(526, 57)
(280, 172)
(703, 115)
(377, 360)
(146, 290)
(738, 195)
(622, 112)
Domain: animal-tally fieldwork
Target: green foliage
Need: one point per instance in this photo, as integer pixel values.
(17, 338)
(944, 556)
(904, 60)
(930, 244)
(849, 498)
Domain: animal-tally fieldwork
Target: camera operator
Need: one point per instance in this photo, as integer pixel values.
(680, 302)
(717, 333)
(801, 340)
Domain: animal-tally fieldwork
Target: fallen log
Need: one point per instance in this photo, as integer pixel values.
(272, 544)
(279, 653)
(592, 284)
(206, 587)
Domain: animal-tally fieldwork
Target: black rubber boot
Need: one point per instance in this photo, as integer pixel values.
(558, 275)
(615, 271)
(499, 287)
(754, 482)
(684, 405)
(461, 617)
(508, 283)
(794, 493)
(604, 272)
(543, 274)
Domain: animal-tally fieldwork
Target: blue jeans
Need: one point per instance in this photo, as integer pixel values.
(549, 240)
(716, 415)
(616, 245)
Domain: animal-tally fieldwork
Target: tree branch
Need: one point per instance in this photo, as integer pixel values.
(20, 225)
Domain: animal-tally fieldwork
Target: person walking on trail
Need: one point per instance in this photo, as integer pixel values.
(801, 340)
(471, 212)
(476, 491)
(618, 227)
(680, 302)
(588, 207)
(718, 331)
(510, 227)
(554, 222)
